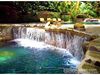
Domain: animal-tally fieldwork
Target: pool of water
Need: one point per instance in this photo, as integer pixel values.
(17, 58)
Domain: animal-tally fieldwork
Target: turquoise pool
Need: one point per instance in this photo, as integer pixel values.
(15, 58)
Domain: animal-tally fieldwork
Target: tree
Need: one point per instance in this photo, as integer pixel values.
(72, 8)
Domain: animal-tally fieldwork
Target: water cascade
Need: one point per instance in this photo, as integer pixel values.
(61, 39)
(29, 33)
(72, 43)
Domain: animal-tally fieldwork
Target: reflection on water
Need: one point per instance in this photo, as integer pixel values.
(33, 59)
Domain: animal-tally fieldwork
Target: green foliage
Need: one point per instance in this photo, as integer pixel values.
(66, 17)
(53, 6)
(88, 8)
(55, 14)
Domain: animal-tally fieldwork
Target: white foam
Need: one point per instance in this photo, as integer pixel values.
(30, 43)
(34, 44)
(75, 62)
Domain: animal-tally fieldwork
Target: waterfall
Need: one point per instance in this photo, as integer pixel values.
(72, 43)
(29, 33)
(60, 42)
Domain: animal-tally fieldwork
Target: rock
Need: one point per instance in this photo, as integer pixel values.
(88, 61)
(95, 45)
(91, 62)
(5, 34)
(88, 68)
(93, 48)
(85, 47)
(79, 26)
(97, 63)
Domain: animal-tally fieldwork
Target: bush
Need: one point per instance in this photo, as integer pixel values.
(66, 17)
(55, 14)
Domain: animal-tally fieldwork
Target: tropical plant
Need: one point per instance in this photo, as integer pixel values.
(87, 9)
(72, 8)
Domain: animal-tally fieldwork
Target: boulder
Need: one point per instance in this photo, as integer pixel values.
(79, 26)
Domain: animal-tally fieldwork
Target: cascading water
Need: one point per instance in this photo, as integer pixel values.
(70, 46)
(72, 43)
(29, 33)
(60, 42)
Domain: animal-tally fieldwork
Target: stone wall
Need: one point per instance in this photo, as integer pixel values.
(5, 34)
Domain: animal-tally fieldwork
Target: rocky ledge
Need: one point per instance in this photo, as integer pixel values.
(73, 32)
(5, 35)
(91, 62)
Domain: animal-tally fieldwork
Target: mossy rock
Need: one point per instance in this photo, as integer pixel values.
(79, 26)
